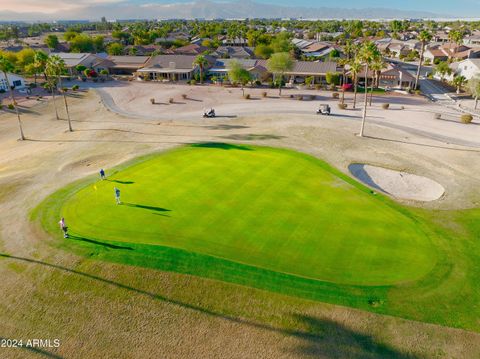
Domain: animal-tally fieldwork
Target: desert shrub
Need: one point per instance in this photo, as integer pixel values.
(11, 107)
(193, 82)
(170, 100)
(299, 97)
(247, 96)
(65, 89)
(318, 87)
(184, 96)
(437, 116)
(152, 101)
(417, 92)
(1, 106)
(342, 106)
(75, 87)
(258, 83)
(264, 94)
(466, 118)
(335, 95)
(385, 106)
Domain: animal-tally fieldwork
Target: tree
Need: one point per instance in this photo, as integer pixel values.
(51, 41)
(459, 81)
(474, 88)
(115, 49)
(56, 68)
(25, 57)
(443, 69)
(355, 68)
(456, 37)
(236, 73)
(332, 78)
(278, 64)
(424, 37)
(6, 66)
(377, 66)
(368, 53)
(263, 51)
(201, 62)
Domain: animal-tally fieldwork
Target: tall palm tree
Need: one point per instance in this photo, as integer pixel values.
(355, 68)
(6, 66)
(377, 66)
(56, 68)
(424, 37)
(202, 62)
(368, 53)
(456, 37)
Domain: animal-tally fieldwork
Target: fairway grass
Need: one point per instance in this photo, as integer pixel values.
(268, 218)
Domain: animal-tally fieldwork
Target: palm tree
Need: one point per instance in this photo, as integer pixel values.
(201, 62)
(456, 37)
(424, 37)
(459, 81)
(377, 66)
(474, 87)
(355, 68)
(6, 66)
(368, 53)
(40, 62)
(56, 68)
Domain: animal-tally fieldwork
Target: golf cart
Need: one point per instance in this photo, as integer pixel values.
(209, 114)
(324, 110)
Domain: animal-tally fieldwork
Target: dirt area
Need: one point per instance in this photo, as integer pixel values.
(116, 311)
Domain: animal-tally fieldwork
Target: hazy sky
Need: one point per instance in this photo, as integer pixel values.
(469, 8)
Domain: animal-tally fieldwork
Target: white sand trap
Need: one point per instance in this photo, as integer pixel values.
(398, 184)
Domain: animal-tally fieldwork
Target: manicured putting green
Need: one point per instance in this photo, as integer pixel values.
(272, 208)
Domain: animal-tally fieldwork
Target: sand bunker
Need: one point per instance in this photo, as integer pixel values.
(398, 184)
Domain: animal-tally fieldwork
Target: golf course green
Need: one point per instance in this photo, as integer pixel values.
(269, 208)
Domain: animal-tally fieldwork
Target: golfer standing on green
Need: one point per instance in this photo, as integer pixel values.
(117, 195)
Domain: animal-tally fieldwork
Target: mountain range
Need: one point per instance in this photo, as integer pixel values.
(206, 9)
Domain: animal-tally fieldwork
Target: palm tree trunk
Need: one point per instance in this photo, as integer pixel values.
(55, 103)
(20, 127)
(417, 78)
(371, 92)
(66, 104)
(476, 102)
(355, 83)
(280, 87)
(364, 116)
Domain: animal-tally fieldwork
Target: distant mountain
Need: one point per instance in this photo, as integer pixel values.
(206, 9)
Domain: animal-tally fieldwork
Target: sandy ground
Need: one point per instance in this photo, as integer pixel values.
(120, 311)
(401, 185)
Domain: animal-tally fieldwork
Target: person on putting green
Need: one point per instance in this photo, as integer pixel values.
(63, 227)
(117, 195)
(102, 174)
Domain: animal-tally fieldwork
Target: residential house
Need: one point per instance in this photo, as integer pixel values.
(235, 52)
(170, 67)
(143, 50)
(256, 68)
(316, 69)
(467, 68)
(91, 61)
(16, 81)
(236, 41)
(126, 65)
(392, 76)
(190, 49)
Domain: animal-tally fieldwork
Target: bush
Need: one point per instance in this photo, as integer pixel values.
(313, 97)
(184, 96)
(437, 116)
(2, 91)
(318, 87)
(170, 100)
(75, 87)
(152, 101)
(247, 96)
(417, 92)
(466, 118)
(385, 106)
(1, 106)
(258, 83)
(11, 107)
(65, 89)
(299, 97)
(193, 82)
(342, 106)
(335, 95)
(264, 94)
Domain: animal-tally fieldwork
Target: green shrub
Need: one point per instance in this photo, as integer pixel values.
(75, 87)
(466, 118)
(385, 106)
(264, 94)
(342, 106)
(247, 96)
(11, 107)
(335, 95)
(193, 82)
